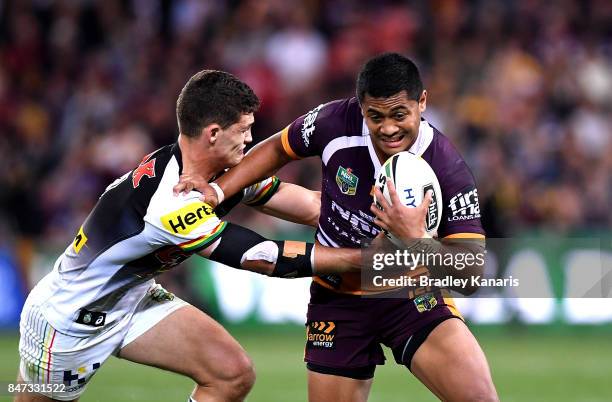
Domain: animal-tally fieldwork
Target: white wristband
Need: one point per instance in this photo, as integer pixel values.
(220, 195)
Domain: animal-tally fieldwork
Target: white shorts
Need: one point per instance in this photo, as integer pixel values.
(51, 357)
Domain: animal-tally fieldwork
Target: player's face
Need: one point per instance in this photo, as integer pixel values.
(393, 122)
(232, 141)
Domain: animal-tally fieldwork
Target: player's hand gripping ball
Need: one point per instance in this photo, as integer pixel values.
(412, 177)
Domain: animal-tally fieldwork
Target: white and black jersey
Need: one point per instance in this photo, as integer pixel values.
(137, 230)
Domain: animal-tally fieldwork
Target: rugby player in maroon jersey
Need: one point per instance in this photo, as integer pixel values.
(353, 137)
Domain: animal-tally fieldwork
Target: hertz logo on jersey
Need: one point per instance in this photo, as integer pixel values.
(188, 218)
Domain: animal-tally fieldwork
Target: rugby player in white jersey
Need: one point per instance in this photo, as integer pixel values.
(100, 299)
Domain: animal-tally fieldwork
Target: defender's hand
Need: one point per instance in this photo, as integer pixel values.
(188, 183)
(403, 222)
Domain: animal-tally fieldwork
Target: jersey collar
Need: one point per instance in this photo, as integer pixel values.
(421, 143)
(176, 151)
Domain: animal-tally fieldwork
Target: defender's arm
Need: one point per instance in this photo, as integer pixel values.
(295, 204)
(283, 200)
(242, 248)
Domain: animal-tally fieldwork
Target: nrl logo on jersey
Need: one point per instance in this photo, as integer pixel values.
(347, 181)
(308, 127)
(425, 302)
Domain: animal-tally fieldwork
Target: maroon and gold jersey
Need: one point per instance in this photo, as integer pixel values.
(336, 132)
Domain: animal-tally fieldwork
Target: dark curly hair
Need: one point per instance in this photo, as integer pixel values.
(212, 96)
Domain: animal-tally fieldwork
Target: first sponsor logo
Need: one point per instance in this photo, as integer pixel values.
(464, 206)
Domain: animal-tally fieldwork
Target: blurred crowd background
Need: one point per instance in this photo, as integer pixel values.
(523, 88)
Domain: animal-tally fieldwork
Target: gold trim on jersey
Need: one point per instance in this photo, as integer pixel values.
(286, 145)
(465, 236)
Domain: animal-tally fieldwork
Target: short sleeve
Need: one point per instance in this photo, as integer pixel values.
(461, 208)
(308, 134)
(254, 195)
(260, 193)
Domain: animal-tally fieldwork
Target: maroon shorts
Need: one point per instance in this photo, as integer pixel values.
(344, 332)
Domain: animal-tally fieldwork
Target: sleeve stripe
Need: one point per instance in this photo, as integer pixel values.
(261, 192)
(204, 240)
(286, 145)
(265, 193)
(465, 236)
(450, 304)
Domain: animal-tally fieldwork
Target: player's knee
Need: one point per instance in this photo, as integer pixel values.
(239, 376)
(233, 378)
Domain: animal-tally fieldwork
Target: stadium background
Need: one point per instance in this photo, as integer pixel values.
(523, 88)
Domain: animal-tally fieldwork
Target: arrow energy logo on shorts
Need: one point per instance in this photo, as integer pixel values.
(321, 334)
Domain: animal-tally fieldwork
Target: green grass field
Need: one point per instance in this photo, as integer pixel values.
(529, 365)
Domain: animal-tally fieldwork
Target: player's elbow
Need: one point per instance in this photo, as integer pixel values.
(312, 220)
(314, 201)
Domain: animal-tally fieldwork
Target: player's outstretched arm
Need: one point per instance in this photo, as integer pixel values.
(294, 203)
(329, 260)
(262, 161)
(242, 248)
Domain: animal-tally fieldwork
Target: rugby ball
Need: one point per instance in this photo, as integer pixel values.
(412, 177)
